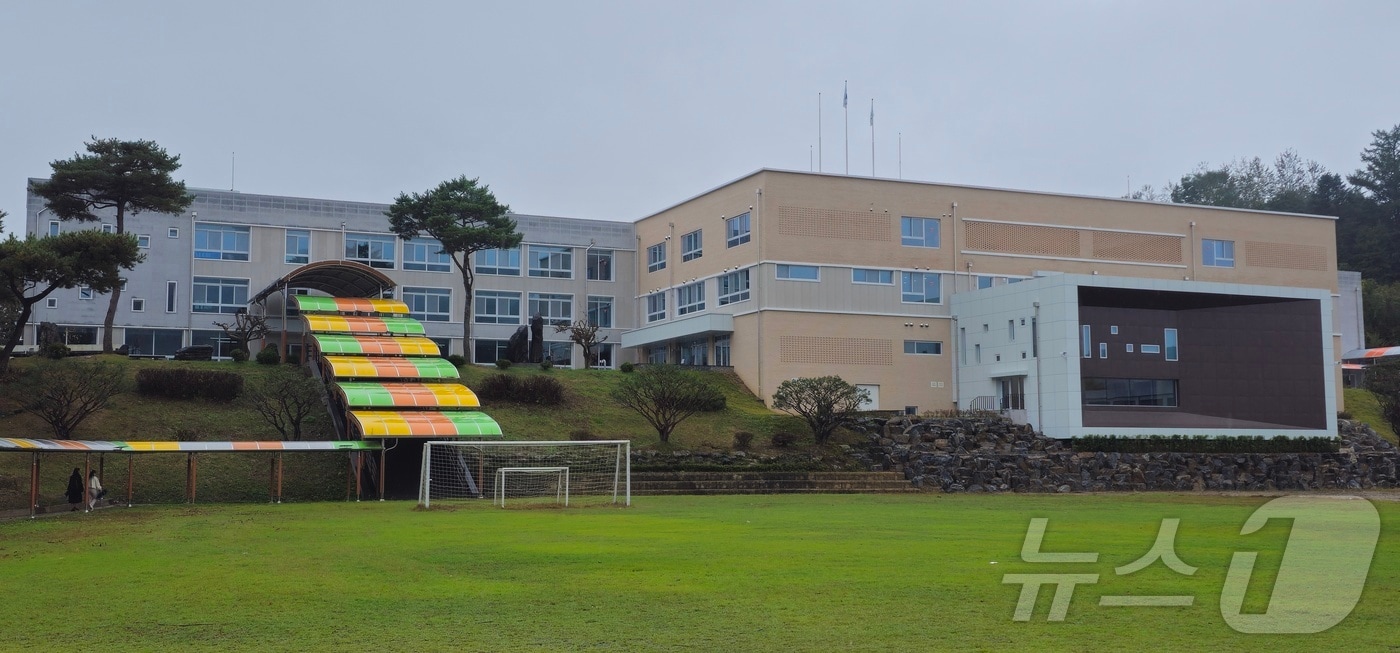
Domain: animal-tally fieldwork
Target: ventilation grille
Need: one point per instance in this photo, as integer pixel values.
(838, 351)
(1279, 255)
(1023, 239)
(826, 223)
(1139, 248)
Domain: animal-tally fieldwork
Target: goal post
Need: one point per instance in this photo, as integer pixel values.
(525, 473)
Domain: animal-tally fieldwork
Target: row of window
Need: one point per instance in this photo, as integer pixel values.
(916, 288)
(503, 307)
(560, 353)
(736, 232)
(1168, 346)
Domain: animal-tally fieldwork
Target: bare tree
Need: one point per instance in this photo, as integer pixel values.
(285, 398)
(584, 334)
(65, 393)
(825, 403)
(665, 395)
(245, 328)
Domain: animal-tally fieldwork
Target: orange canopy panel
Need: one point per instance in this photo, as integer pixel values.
(366, 367)
(332, 344)
(425, 424)
(407, 395)
(316, 304)
(363, 324)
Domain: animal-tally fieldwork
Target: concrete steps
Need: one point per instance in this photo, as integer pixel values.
(661, 483)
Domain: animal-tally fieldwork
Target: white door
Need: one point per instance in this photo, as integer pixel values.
(874, 402)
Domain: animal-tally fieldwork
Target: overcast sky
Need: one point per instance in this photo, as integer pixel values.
(616, 110)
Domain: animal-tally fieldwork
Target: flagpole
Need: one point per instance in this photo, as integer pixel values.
(872, 137)
(845, 101)
(901, 155)
(819, 132)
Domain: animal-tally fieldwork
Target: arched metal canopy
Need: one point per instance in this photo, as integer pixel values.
(335, 278)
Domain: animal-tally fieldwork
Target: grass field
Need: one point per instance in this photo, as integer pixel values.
(808, 573)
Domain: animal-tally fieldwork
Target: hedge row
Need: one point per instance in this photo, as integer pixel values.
(537, 390)
(178, 383)
(1205, 444)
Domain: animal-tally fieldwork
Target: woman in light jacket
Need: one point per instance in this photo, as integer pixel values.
(95, 489)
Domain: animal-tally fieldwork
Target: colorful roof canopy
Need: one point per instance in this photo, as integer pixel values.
(316, 304)
(1377, 352)
(375, 345)
(404, 395)
(424, 424)
(366, 367)
(339, 278)
(117, 446)
(347, 324)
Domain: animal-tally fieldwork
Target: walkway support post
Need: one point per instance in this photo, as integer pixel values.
(34, 486)
(130, 477)
(87, 485)
(383, 471)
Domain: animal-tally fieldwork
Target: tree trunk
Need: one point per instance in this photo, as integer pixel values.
(9, 348)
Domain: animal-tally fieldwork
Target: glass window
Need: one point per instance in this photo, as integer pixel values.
(984, 282)
(426, 254)
(138, 305)
(918, 232)
(922, 287)
(1011, 329)
(1129, 392)
(600, 265)
(799, 272)
(690, 298)
(84, 292)
(559, 353)
(486, 352)
(606, 354)
(298, 246)
(656, 257)
(656, 307)
(53, 227)
(220, 242)
(109, 228)
(172, 232)
(428, 304)
(217, 339)
(553, 307)
(51, 302)
(143, 241)
(500, 262)
(1169, 340)
(691, 246)
(656, 355)
(171, 289)
(552, 262)
(1086, 342)
(1103, 350)
(928, 347)
(600, 311)
(864, 275)
(1218, 253)
(695, 352)
(154, 342)
(496, 307)
(736, 230)
(1151, 349)
(373, 250)
(734, 287)
(78, 335)
(722, 351)
(216, 295)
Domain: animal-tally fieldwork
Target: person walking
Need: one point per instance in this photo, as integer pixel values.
(95, 487)
(74, 493)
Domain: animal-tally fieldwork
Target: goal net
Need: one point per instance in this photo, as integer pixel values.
(525, 474)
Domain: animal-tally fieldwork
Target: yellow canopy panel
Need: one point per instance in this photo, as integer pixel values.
(363, 324)
(425, 424)
(331, 344)
(317, 304)
(366, 367)
(366, 394)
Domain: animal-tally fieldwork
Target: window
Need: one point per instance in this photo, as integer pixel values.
(138, 305)
(560, 353)
(977, 354)
(695, 352)
(1103, 350)
(501, 262)
(1218, 253)
(1169, 340)
(53, 227)
(553, 307)
(656, 307)
(123, 285)
(600, 311)
(159, 342)
(736, 230)
(984, 282)
(78, 335)
(216, 339)
(656, 257)
(84, 292)
(924, 347)
(918, 232)
(656, 355)
(799, 272)
(496, 307)
(220, 242)
(490, 351)
(1130, 348)
(864, 275)
(600, 265)
(690, 298)
(605, 354)
(143, 241)
(551, 262)
(734, 287)
(216, 295)
(1129, 392)
(428, 304)
(1011, 329)
(692, 246)
(109, 228)
(171, 287)
(425, 254)
(922, 287)
(298, 246)
(962, 345)
(722, 351)
(1086, 342)
(173, 232)
(1150, 349)
(52, 302)
(373, 250)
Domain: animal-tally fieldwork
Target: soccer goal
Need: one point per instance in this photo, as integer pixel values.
(524, 474)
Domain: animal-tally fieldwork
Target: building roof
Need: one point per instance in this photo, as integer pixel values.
(1377, 352)
(336, 278)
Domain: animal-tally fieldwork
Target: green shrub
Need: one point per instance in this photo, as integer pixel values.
(742, 440)
(238, 356)
(1344, 414)
(712, 402)
(783, 439)
(627, 368)
(582, 434)
(456, 360)
(269, 356)
(541, 391)
(497, 387)
(181, 383)
(56, 350)
(1204, 444)
(502, 363)
(547, 364)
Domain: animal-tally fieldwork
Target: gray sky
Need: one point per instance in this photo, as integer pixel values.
(616, 110)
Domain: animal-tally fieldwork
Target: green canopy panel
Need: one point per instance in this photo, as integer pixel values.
(366, 394)
(425, 424)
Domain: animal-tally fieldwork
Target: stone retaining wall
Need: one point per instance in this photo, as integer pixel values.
(994, 455)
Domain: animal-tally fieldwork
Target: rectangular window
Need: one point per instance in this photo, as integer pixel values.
(428, 304)
(690, 298)
(736, 230)
(500, 262)
(691, 246)
(734, 287)
(143, 241)
(172, 232)
(496, 307)
(426, 254)
(1129, 392)
(298, 246)
(605, 355)
(925, 347)
(84, 292)
(656, 355)
(922, 287)
(919, 232)
(171, 288)
(221, 242)
(656, 257)
(984, 282)
(1218, 253)
(138, 305)
(1086, 342)
(977, 354)
(600, 265)
(656, 307)
(374, 250)
(600, 311)
(1169, 341)
(551, 262)
(962, 345)
(217, 295)
(553, 307)
(53, 227)
(52, 302)
(722, 351)
(799, 272)
(1011, 329)
(109, 228)
(158, 342)
(1103, 350)
(1035, 338)
(486, 352)
(560, 353)
(1130, 348)
(879, 277)
(1150, 349)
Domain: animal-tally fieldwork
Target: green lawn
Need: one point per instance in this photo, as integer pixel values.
(811, 573)
(1364, 407)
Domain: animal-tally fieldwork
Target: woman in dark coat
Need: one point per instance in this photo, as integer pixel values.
(75, 489)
